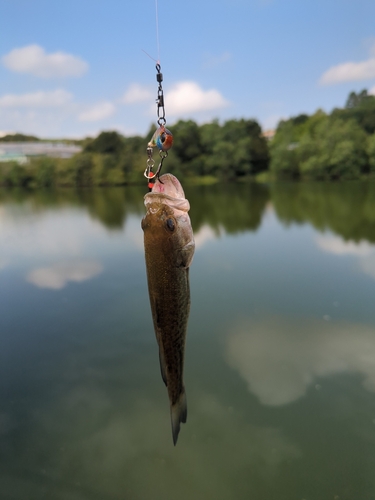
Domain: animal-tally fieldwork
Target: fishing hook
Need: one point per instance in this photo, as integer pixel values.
(162, 137)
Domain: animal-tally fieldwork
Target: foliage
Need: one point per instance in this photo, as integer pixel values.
(371, 152)
(45, 172)
(336, 150)
(12, 174)
(360, 108)
(232, 150)
(18, 138)
(106, 142)
(327, 147)
(339, 145)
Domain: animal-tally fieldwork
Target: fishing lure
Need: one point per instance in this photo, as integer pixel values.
(162, 138)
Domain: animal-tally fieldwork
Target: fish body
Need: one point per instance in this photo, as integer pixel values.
(162, 139)
(169, 249)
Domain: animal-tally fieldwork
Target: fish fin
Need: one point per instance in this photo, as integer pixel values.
(178, 415)
(162, 367)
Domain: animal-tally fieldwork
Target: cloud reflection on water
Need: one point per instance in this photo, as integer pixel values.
(102, 444)
(363, 250)
(57, 275)
(204, 235)
(281, 358)
(26, 234)
(95, 433)
(337, 246)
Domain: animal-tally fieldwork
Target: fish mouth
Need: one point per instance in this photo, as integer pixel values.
(168, 191)
(168, 184)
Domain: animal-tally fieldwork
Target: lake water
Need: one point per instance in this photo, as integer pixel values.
(280, 358)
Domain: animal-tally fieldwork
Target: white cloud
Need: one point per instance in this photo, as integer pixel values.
(137, 93)
(188, 97)
(97, 112)
(372, 90)
(39, 99)
(34, 60)
(280, 359)
(41, 122)
(350, 71)
(58, 275)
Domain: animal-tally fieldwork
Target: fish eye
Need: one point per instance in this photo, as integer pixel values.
(170, 224)
(162, 137)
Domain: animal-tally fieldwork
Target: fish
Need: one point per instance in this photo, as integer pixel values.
(162, 138)
(169, 250)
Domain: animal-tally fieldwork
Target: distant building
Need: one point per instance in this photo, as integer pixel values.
(269, 134)
(21, 151)
(19, 158)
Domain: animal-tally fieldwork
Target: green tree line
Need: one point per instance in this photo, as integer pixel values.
(339, 145)
(234, 149)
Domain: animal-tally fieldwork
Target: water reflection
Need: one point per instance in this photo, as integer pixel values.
(91, 446)
(26, 233)
(282, 403)
(347, 209)
(338, 246)
(204, 235)
(60, 273)
(110, 206)
(362, 250)
(230, 207)
(281, 358)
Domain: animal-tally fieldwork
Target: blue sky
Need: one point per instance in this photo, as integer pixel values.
(74, 68)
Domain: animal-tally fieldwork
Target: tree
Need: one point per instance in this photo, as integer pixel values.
(361, 108)
(336, 150)
(354, 100)
(371, 152)
(45, 171)
(284, 152)
(106, 142)
(326, 146)
(19, 138)
(187, 141)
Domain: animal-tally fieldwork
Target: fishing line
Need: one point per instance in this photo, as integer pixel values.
(157, 36)
(147, 54)
(162, 138)
(157, 30)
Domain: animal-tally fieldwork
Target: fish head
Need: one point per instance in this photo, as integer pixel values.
(166, 224)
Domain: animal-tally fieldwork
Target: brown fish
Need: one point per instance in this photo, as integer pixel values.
(169, 249)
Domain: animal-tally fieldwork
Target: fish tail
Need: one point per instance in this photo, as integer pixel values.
(178, 415)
